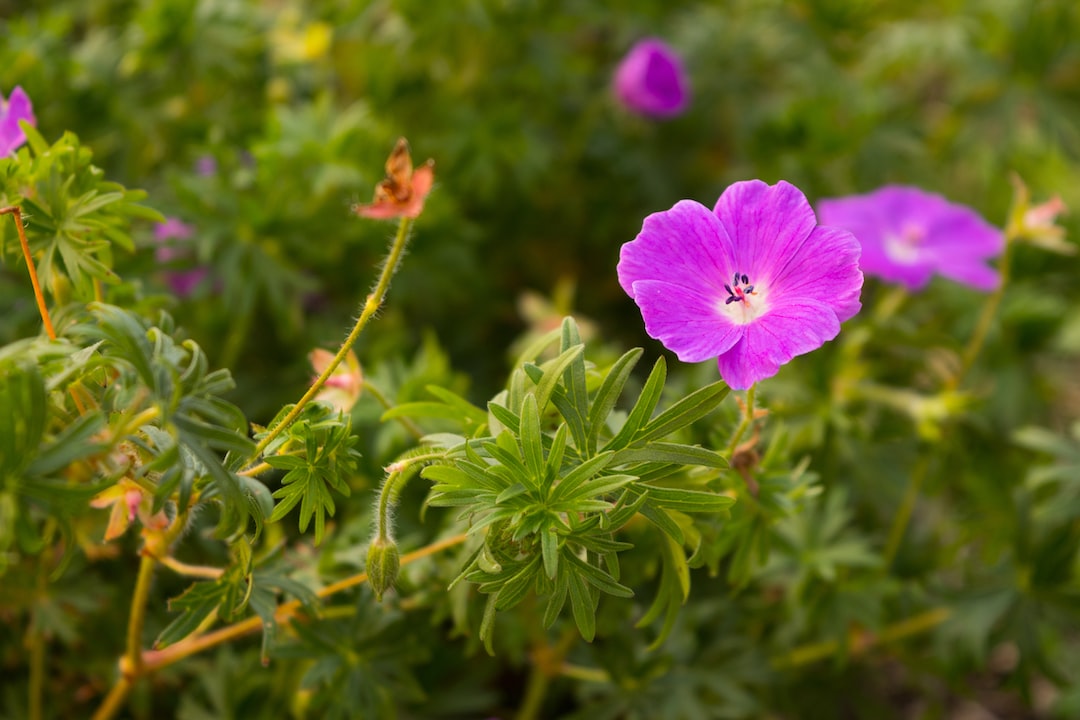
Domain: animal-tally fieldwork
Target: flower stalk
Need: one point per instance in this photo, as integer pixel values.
(371, 305)
(39, 296)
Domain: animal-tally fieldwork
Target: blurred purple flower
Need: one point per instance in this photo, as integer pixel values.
(908, 234)
(12, 110)
(753, 283)
(182, 282)
(206, 165)
(651, 80)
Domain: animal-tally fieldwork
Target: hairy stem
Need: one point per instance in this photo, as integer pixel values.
(371, 306)
(157, 659)
(137, 619)
(16, 215)
(747, 420)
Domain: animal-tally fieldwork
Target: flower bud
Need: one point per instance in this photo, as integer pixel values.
(383, 563)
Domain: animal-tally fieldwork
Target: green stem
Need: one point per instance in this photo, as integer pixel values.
(406, 423)
(371, 306)
(748, 418)
(989, 311)
(907, 506)
(535, 691)
(859, 643)
(137, 620)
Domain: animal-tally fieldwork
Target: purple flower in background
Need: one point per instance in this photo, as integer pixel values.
(12, 110)
(754, 282)
(182, 282)
(206, 166)
(908, 234)
(651, 80)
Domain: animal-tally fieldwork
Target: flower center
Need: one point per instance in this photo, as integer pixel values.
(903, 247)
(744, 303)
(739, 288)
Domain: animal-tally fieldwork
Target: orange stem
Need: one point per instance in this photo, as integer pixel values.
(16, 214)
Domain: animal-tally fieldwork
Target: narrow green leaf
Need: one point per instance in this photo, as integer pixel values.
(693, 407)
(688, 500)
(578, 475)
(532, 446)
(643, 408)
(659, 452)
(608, 394)
(582, 604)
(549, 546)
(553, 371)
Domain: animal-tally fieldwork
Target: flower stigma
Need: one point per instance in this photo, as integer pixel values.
(739, 291)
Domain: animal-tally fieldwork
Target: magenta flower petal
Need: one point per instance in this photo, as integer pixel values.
(755, 282)
(684, 320)
(12, 110)
(793, 329)
(651, 80)
(686, 246)
(908, 234)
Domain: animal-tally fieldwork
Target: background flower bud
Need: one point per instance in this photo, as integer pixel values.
(383, 563)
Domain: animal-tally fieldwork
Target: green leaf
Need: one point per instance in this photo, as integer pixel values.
(532, 446)
(693, 407)
(687, 500)
(672, 453)
(581, 602)
(608, 394)
(553, 371)
(643, 408)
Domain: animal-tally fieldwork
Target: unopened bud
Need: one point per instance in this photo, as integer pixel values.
(383, 563)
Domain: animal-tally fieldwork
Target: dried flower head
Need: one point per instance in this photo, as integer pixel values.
(403, 191)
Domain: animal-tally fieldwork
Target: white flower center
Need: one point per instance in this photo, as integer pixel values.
(745, 302)
(904, 248)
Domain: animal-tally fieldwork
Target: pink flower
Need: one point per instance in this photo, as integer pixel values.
(342, 389)
(651, 80)
(171, 236)
(908, 234)
(12, 110)
(753, 282)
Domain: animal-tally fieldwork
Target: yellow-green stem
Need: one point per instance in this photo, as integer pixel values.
(157, 659)
(585, 674)
(16, 215)
(371, 306)
(183, 568)
(112, 702)
(535, 690)
(907, 506)
(815, 652)
(748, 418)
(137, 619)
(406, 423)
(986, 317)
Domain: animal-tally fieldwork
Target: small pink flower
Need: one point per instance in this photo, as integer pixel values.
(342, 389)
(128, 500)
(12, 110)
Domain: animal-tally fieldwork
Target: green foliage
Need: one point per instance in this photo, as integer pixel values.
(599, 530)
